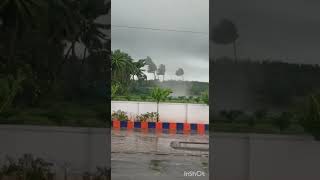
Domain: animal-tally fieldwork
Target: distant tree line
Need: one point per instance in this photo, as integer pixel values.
(127, 71)
(262, 84)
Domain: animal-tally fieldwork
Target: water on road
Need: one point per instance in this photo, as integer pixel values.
(148, 155)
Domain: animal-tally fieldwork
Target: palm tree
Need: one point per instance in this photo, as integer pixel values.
(17, 16)
(152, 67)
(92, 35)
(138, 71)
(121, 64)
(114, 89)
(159, 94)
(161, 71)
(225, 32)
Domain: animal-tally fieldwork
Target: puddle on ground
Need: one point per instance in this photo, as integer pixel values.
(157, 166)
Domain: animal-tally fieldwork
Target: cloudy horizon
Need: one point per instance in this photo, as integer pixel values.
(187, 50)
(278, 30)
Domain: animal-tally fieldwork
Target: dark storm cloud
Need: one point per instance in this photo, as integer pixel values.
(174, 49)
(286, 29)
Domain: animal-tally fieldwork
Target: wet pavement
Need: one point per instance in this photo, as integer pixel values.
(148, 155)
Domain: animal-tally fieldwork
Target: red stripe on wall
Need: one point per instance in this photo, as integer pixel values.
(186, 127)
(172, 126)
(116, 124)
(130, 124)
(158, 125)
(201, 128)
(144, 125)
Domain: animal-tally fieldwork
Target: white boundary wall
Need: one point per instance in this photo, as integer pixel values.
(78, 149)
(169, 112)
(264, 157)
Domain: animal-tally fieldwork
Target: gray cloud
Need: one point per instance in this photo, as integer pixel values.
(174, 49)
(286, 30)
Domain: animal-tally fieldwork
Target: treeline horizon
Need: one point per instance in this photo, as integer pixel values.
(261, 84)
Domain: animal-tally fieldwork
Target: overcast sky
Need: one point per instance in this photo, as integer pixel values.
(189, 51)
(279, 29)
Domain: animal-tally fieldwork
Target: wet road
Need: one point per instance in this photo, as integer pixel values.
(148, 155)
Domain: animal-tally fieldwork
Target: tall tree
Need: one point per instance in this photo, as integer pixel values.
(226, 32)
(17, 16)
(152, 67)
(125, 69)
(180, 72)
(160, 94)
(121, 66)
(161, 71)
(138, 71)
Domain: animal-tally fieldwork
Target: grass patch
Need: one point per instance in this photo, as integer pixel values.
(59, 114)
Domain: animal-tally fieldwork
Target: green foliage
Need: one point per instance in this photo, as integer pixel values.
(231, 115)
(143, 97)
(128, 97)
(160, 94)
(152, 67)
(311, 116)
(205, 97)
(39, 64)
(260, 82)
(260, 114)
(119, 115)
(197, 88)
(124, 70)
(11, 86)
(238, 121)
(114, 89)
(283, 121)
(181, 98)
(148, 117)
(27, 167)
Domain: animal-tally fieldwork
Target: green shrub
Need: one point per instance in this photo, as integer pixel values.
(120, 115)
(27, 167)
(143, 97)
(231, 115)
(149, 116)
(282, 121)
(128, 98)
(310, 120)
(260, 114)
(205, 97)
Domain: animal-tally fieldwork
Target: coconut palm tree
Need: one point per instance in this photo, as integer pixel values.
(138, 71)
(152, 67)
(160, 94)
(123, 69)
(17, 17)
(161, 71)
